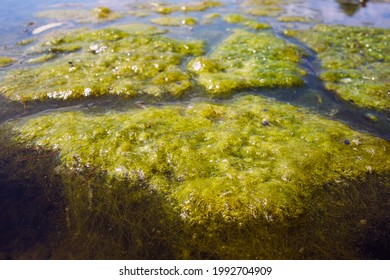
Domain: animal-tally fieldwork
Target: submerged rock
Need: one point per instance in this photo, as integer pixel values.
(214, 181)
(246, 60)
(355, 62)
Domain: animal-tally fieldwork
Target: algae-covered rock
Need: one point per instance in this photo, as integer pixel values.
(246, 60)
(25, 42)
(233, 180)
(96, 15)
(295, 19)
(114, 61)
(264, 7)
(168, 8)
(42, 58)
(355, 62)
(5, 61)
(246, 21)
(174, 21)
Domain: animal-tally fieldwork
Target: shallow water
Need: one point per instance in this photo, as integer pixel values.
(18, 21)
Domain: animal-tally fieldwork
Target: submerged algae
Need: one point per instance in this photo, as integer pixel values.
(270, 8)
(245, 60)
(5, 61)
(98, 14)
(106, 61)
(174, 21)
(355, 62)
(250, 168)
(295, 19)
(168, 8)
(246, 21)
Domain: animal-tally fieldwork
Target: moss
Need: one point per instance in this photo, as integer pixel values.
(246, 21)
(355, 62)
(5, 61)
(245, 60)
(105, 61)
(174, 21)
(98, 14)
(222, 172)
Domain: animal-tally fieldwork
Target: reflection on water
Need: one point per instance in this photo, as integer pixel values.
(351, 7)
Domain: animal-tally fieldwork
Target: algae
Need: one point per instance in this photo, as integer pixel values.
(168, 8)
(233, 180)
(25, 42)
(210, 18)
(246, 60)
(42, 58)
(105, 61)
(295, 19)
(355, 62)
(246, 21)
(270, 8)
(174, 21)
(5, 61)
(96, 15)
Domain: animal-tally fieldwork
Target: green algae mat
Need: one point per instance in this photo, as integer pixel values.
(355, 62)
(252, 169)
(153, 138)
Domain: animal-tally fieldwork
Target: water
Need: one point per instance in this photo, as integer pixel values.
(17, 22)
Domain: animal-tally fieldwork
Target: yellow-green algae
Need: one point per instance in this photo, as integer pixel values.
(294, 19)
(25, 42)
(264, 7)
(114, 61)
(96, 15)
(249, 179)
(168, 8)
(246, 21)
(174, 21)
(42, 58)
(210, 18)
(5, 61)
(245, 60)
(355, 62)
